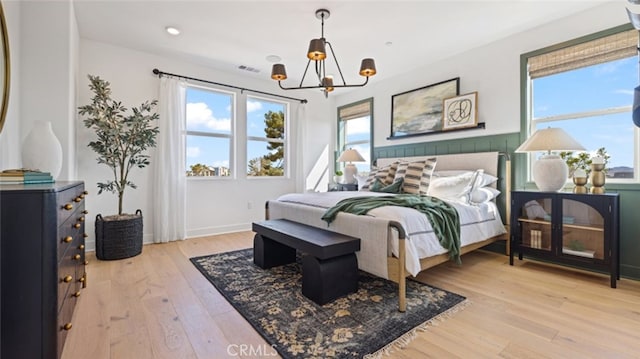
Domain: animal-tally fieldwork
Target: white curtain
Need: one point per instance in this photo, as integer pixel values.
(169, 190)
(300, 121)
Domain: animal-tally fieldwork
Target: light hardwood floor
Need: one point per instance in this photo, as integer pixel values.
(157, 305)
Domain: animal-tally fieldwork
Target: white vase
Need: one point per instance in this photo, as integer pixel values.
(41, 149)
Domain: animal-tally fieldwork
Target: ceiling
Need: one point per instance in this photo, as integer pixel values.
(399, 35)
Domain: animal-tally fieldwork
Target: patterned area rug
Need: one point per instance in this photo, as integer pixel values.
(363, 324)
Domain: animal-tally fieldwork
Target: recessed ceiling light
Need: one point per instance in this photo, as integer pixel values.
(172, 30)
(274, 58)
(388, 43)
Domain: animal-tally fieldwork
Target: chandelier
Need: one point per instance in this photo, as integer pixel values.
(318, 54)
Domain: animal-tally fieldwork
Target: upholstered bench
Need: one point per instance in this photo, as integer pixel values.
(329, 263)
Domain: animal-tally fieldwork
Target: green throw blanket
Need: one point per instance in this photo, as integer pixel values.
(443, 217)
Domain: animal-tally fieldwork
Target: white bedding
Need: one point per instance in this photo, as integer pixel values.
(478, 222)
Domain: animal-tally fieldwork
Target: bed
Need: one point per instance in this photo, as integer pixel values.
(397, 242)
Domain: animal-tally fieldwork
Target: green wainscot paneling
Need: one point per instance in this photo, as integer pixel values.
(629, 229)
(507, 143)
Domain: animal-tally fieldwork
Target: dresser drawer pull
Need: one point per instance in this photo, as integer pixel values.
(76, 225)
(77, 199)
(67, 279)
(85, 235)
(81, 280)
(86, 262)
(81, 196)
(67, 239)
(85, 212)
(76, 257)
(76, 294)
(67, 326)
(85, 193)
(68, 206)
(81, 219)
(81, 246)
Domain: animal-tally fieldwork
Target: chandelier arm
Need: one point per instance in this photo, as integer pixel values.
(336, 60)
(304, 74)
(321, 87)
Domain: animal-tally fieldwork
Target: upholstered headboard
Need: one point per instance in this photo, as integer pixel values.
(459, 161)
(488, 161)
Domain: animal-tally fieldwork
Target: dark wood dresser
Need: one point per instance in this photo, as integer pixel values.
(42, 266)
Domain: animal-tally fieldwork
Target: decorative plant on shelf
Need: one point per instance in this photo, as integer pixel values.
(583, 160)
(121, 142)
(576, 161)
(338, 176)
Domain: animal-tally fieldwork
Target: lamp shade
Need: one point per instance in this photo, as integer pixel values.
(350, 155)
(367, 67)
(550, 171)
(550, 139)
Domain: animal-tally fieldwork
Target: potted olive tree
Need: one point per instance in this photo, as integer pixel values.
(122, 139)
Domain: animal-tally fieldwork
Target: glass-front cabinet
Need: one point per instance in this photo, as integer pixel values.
(580, 230)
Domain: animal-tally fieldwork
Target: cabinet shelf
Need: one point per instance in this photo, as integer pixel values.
(588, 227)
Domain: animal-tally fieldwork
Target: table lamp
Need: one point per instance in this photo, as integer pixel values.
(350, 169)
(550, 172)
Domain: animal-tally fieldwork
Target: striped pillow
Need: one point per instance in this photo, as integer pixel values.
(416, 175)
(386, 175)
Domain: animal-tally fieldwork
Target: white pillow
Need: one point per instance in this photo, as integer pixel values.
(483, 195)
(362, 180)
(484, 179)
(454, 187)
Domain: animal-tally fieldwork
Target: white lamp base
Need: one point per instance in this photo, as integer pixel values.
(550, 173)
(350, 171)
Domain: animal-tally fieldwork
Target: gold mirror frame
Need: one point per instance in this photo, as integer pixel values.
(4, 68)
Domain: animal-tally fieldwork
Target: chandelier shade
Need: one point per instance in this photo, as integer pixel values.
(278, 72)
(318, 52)
(368, 67)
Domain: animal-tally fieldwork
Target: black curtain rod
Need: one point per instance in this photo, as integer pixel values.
(160, 73)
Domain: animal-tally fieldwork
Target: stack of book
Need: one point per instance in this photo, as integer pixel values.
(19, 176)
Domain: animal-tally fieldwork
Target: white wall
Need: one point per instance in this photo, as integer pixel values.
(213, 205)
(10, 136)
(48, 45)
(493, 71)
(43, 40)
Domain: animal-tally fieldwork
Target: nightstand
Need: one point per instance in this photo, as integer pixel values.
(578, 230)
(343, 187)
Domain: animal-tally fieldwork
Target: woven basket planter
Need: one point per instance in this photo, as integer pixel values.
(118, 238)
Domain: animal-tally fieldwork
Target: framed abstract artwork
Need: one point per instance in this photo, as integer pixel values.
(419, 111)
(460, 112)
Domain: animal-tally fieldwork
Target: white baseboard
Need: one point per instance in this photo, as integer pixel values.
(90, 244)
(211, 231)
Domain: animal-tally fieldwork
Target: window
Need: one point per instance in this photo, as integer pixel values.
(354, 131)
(266, 137)
(209, 136)
(586, 88)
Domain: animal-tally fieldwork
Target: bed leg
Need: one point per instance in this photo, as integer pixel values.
(402, 278)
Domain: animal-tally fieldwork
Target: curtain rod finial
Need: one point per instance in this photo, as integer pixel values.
(156, 71)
